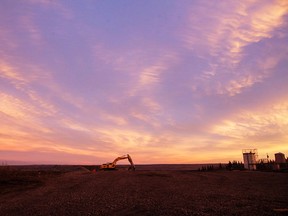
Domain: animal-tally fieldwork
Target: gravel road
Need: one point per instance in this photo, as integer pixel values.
(153, 193)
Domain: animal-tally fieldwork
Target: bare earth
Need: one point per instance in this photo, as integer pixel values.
(145, 192)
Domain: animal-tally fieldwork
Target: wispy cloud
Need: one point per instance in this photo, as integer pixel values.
(231, 26)
(11, 74)
(265, 126)
(54, 5)
(230, 29)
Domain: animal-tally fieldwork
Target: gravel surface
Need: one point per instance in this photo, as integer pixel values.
(145, 192)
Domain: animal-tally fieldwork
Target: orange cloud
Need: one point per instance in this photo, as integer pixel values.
(259, 128)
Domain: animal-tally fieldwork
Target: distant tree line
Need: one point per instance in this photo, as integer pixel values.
(235, 165)
(210, 167)
(265, 165)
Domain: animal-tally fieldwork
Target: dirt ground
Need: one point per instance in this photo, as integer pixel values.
(144, 192)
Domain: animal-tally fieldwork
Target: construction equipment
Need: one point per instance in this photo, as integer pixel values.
(112, 166)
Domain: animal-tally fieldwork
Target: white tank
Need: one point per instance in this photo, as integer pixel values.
(250, 158)
(280, 158)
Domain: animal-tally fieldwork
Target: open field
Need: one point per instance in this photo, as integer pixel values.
(150, 190)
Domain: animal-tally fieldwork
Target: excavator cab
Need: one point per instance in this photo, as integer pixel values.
(107, 166)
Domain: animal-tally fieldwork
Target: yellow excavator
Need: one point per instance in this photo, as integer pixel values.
(112, 166)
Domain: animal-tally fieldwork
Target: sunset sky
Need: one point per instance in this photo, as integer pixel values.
(167, 81)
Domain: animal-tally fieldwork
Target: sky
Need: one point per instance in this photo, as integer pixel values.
(166, 81)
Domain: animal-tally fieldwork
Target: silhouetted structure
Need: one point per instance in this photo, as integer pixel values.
(280, 161)
(250, 158)
(280, 158)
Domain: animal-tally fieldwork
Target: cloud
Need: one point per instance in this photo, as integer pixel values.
(28, 24)
(10, 73)
(152, 73)
(269, 124)
(142, 69)
(14, 107)
(141, 74)
(232, 26)
(223, 37)
(22, 81)
(54, 5)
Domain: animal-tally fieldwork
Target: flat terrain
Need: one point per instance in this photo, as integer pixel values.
(75, 190)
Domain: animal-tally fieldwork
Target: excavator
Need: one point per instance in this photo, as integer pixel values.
(112, 166)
